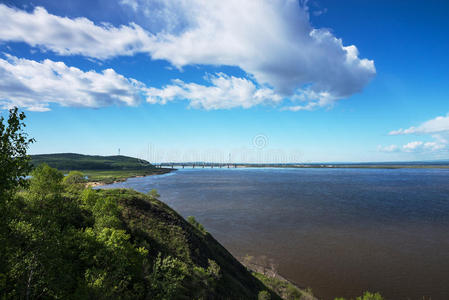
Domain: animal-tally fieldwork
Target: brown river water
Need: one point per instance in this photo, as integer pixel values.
(338, 231)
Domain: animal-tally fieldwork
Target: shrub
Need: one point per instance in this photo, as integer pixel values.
(264, 295)
(196, 224)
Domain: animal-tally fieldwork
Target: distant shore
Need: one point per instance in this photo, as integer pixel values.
(102, 177)
(306, 166)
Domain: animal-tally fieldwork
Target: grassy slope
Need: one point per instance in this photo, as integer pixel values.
(111, 176)
(151, 222)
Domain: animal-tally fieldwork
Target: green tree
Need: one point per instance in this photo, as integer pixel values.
(14, 162)
(153, 194)
(370, 296)
(41, 262)
(196, 224)
(74, 181)
(14, 167)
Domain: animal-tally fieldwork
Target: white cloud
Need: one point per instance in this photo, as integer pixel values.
(34, 85)
(412, 146)
(390, 148)
(421, 146)
(224, 92)
(415, 146)
(131, 3)
(437, 128)
(272, 40)
(66, 36)
(312, 99)
(438, 125)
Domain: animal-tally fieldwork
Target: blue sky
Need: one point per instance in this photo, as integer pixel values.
(274, 81)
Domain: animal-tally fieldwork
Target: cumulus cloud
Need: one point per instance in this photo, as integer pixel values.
(272, 41)
(34, 85)
(415, 146)
(66, 36)
(437, 129)
(438, 125)
(224, 92)
(421, 146)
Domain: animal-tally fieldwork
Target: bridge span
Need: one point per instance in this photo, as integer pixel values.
(174, 165)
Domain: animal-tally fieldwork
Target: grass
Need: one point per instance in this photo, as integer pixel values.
(111, 176)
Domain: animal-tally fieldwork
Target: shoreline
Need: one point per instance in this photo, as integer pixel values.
(266, 271)
(122, 178)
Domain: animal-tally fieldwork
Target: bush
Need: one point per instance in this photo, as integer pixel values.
(366, 296)
(74, 177)
(264, 295)
(196, 224)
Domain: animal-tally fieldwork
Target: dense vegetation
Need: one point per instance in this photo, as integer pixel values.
(72, 161)
(65, 241)
(61, 240)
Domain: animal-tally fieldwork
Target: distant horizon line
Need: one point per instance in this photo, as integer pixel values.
(402, 162)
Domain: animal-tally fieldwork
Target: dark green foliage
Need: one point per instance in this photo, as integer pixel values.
(366, 296)
(196, 224)
(74, 177)
(14, 166)
(264, 295)
(72, 161)
(14, 142)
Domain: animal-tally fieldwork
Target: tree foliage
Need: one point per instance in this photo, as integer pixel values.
(14, 142)
(366, 296)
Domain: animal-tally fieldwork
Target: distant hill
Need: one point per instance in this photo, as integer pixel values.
(73, 161)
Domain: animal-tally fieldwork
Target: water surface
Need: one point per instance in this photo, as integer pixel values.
(338, 231)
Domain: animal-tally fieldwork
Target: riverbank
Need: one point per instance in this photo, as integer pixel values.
(265, 270)
(101, 177)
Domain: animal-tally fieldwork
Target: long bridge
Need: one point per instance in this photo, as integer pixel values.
(178, 165)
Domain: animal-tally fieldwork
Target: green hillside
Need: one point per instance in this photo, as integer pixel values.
(64, 241)
(153, 224)
(73, 161)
